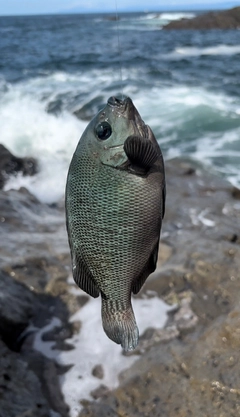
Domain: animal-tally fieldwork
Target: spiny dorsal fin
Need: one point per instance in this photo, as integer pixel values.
(140, 151)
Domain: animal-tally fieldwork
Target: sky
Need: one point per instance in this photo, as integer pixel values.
(29, 7)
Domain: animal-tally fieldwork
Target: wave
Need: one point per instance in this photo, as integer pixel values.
(28, 130)
(211, 50)
(176, 16)
(166, 16)
(151, 21)
(187, 121)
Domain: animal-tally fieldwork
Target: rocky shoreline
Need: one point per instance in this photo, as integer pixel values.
(190, 368)
(226, 19)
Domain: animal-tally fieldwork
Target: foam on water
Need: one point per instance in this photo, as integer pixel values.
(182, 52)
(92, 347)
(28, 130)
(168, 17)
(151, 21)
(186, 120)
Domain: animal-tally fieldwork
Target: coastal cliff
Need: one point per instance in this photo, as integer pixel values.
(227, 19)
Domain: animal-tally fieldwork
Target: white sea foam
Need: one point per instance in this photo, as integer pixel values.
(166, 16)
(172, 112)
(176, 16)
(92, 347)
(151, 21)
(27, 130)
(182, 52)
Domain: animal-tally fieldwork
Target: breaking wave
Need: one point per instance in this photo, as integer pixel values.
(187, 121)
(211, 50)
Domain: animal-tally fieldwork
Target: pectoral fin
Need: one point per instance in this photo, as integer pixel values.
(140, 151)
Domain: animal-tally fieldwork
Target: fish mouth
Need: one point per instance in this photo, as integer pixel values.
(127, 109)
(116, 102)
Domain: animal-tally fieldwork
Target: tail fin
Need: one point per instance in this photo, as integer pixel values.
(120, 325)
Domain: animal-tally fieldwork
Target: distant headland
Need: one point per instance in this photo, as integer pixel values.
(227, 19)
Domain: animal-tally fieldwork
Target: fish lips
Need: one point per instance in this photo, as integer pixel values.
(126, 108)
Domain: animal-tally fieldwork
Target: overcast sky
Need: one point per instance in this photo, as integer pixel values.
(24, 7)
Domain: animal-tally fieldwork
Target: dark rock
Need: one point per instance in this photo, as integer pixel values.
(16, 309)
(87, 111)
(47, 373)
(11, 165)
(20, 389)
(236, 193)
(55, 107)
(99, 392)
(98, 371)
(33, 246)
(227, 19)
(113, 18)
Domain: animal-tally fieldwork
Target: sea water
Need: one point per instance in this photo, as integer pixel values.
(185, 85)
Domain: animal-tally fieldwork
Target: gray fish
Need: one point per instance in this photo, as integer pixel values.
(115, 200)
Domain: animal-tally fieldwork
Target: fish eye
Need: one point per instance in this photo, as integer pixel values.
(103, 130)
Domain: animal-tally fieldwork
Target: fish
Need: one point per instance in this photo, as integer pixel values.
(115, 203)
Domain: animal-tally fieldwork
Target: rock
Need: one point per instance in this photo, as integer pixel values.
(16, 309)
(99, 392)
(191, 366)
(195, 377)
(33, 246)
(227, 19)
(11, 165)
(112, 18)
(98, 371)
(87, 111)
(20, 389)
(39, 391)
(47, 372)
(236, 193)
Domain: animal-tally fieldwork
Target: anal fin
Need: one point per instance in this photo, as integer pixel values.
(83, 278)
(148, 269)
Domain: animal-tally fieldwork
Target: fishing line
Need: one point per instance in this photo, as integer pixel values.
(119, 48)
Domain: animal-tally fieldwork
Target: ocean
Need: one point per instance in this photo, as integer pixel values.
(57, 71)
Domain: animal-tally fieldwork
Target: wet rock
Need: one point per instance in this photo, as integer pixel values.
(191, 366)
(47, 373)
(61, 289)
(188, 368)
(112, 18)
(33, 246)
(20, 389)
(227, 19)
(236, 193)
(98, 371)
(87, 111)
(16, 309)
(12, 165)
(99, 392)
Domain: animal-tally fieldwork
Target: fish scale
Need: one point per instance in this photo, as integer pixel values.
(113, 220)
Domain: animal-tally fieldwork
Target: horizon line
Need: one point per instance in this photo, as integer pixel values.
(89, 12)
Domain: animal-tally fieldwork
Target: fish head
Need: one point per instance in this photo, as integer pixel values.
(109, 129)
